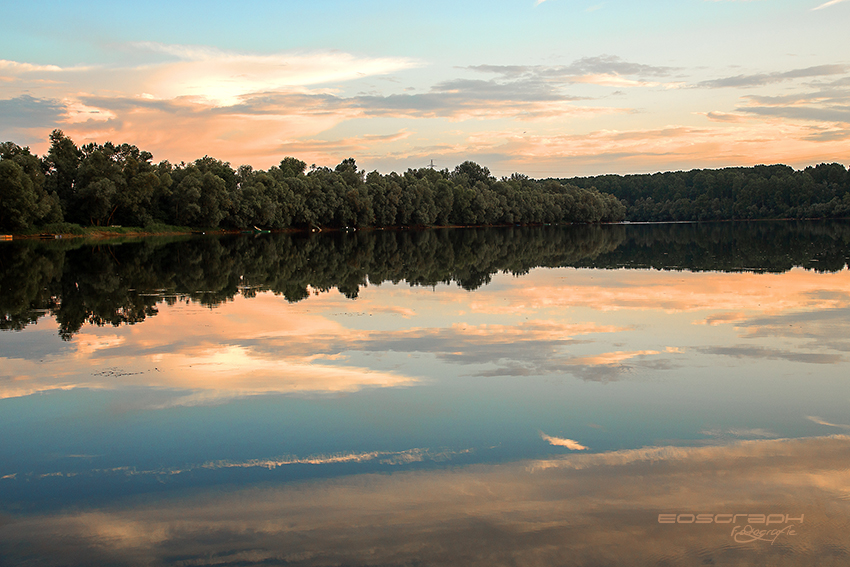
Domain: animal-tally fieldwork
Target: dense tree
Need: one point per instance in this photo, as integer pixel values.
(119, 184)
(23, 198)
(763, 192)
(109, 184)
(291, 167)
(61, 164)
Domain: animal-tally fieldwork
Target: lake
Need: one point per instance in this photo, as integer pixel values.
(668, 394)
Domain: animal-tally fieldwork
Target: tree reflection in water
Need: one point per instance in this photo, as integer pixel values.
(110, 283)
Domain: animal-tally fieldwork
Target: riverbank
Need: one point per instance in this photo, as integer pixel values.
(69, 230)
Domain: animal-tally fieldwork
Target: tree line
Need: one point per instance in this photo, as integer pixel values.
(760, 192)
(109, 184)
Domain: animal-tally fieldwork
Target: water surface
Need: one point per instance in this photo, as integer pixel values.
(499, 396)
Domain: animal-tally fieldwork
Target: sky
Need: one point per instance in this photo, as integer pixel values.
(551, 88)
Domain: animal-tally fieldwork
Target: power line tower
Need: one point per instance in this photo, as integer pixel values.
(432, 166)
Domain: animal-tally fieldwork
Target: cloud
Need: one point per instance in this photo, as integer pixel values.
(360, 144)
(216, 76)
(832, 93)
(724, 117)
(175, 103)
(829, 136)
(604, 70)
(250, 108)
(597, 65)
(826, 105)
(691, 292)
(696, 457)
(476, 89)
(769, 78)
(583, 509)
(561, 442)
(198, 378)
(611, 358)
(222, 77)
(523, 92)
(558, 154)
(826, 327)
(257, 107)
(820, 421)
(182, 129)
(16, 67)
(741, 432)
(540, 153)
(456, 99)
(26, 119)
(26, 111)
(720, 318)
(828, 4)
(297, 354)
(529, 348)
(213, 76)
(774, 354)
(184, 101)
(836, 114)
(182, 354)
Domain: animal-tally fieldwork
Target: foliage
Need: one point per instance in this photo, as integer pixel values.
(23, 198)
(109, 184)
(761, 192)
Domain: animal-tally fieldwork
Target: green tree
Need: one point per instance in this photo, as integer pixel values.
(185, 196)
(291, 167)
(469, 173)
(23, 199)
(18, 199)
(60, 165)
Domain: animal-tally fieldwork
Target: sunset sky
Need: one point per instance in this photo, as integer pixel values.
(545, 88)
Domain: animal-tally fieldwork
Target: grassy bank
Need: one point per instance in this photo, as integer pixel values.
(71, 230)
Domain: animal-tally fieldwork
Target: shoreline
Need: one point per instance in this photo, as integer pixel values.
(106, 234)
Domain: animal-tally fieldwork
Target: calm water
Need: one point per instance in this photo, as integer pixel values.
(641, 394)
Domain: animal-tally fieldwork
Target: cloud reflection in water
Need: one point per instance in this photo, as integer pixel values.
(599, 509)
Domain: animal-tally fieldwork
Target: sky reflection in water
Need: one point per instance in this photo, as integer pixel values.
(548, 416)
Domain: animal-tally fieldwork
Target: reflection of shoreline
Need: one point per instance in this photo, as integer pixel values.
(603, 513)
(123, 284)
(392, 458)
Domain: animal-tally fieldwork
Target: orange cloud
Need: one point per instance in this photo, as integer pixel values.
(764, 140)
(262, 345)
(562, 442)
(609, 358)
(189, 349)
(223, 77)
(684, 291)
